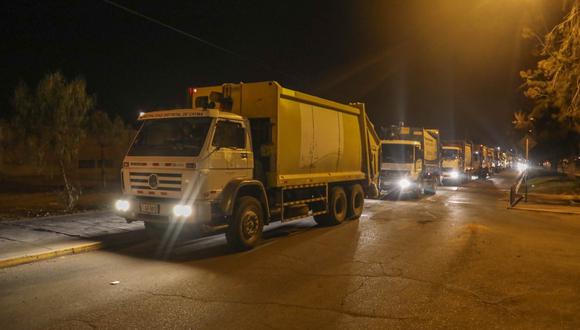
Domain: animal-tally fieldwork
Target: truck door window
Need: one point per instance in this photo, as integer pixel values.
(229, 134)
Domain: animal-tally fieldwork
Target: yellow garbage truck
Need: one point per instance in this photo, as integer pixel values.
(245, 155)
(457, 162)
(410, 160)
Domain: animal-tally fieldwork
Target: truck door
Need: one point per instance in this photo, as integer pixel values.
(232, 153)
(418, 158)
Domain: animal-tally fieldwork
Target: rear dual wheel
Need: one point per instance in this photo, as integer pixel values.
(337, 208)
(342, 206)
(356, 201)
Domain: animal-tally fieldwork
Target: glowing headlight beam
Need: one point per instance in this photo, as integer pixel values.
(404, 183)
(122, 205)
(182, 210)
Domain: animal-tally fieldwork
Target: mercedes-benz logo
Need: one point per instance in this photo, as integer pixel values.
(153, 182)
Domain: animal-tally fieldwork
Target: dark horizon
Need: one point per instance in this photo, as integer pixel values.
(452, 65)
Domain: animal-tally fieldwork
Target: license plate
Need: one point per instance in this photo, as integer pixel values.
(149, 208)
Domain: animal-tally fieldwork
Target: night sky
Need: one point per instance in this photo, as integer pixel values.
(449, 64)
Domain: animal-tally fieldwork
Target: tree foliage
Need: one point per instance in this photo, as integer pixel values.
(106, 133)
(52, 119)
(554, 84)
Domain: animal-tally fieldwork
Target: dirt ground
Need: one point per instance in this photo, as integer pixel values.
(15, 205)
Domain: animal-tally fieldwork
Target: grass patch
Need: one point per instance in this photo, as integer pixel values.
(561, 185)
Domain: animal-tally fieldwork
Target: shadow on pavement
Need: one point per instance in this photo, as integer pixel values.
(185, 248)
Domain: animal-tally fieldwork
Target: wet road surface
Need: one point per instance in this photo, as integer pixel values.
(457, 259)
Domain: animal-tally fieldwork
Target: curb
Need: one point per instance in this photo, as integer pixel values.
(546, 210)
(15, 261)
(70, 250)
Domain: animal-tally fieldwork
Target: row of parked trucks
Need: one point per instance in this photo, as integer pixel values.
(245, 155)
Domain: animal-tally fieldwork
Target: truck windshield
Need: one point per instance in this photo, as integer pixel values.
(171, 137)
(397, 153)
(450, 153)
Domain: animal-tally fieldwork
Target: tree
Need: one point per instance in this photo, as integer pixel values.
(5, 143)
(52, 119)
(553, 85)
(107, 133)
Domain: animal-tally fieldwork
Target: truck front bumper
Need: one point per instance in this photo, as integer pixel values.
(159, 210)
(401, 185)
(451, 176)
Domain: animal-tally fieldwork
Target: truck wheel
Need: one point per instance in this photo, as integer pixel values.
(416, 193)
(245, 229)
(432, 190)
(356, 201)
(337, 208)
(374, 191)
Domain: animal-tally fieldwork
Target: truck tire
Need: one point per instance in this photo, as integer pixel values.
(432, 189)
(337, 208)
(356, 201)
(247, 222)
(416, 193)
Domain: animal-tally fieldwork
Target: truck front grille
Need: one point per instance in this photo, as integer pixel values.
(155, 181)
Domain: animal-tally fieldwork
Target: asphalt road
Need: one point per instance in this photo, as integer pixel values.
(455, 260)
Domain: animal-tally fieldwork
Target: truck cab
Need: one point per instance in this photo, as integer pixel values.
(410, 161)
(452, 165)
(401, 166)
(180, 161)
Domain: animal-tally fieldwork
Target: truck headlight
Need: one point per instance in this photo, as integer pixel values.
(404, 183)
(122, 205)
(454, 174)
(182, 210)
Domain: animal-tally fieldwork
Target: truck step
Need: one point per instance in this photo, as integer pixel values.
(304, 216)
(305, 201)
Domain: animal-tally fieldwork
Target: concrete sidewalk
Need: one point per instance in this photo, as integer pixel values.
(23, 241)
